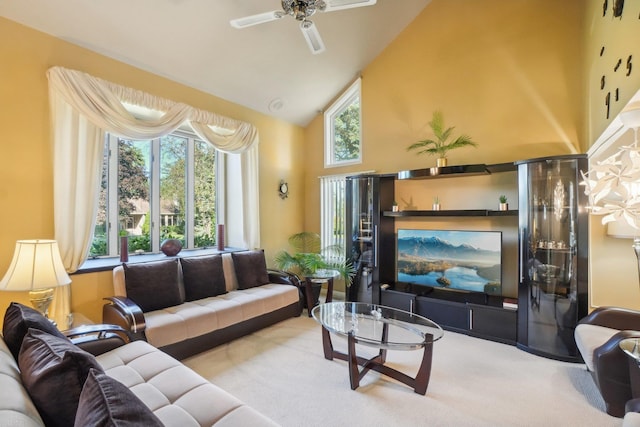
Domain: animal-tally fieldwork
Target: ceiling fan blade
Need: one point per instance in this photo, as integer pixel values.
(312, 36)
(260, 18)
(333, 5)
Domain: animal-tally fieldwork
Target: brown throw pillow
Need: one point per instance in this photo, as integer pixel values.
(53, 371)
(251, 268)
(154, 285)
(18, 319)
(106, 402)
(203, 277)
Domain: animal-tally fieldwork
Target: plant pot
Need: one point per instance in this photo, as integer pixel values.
(436, 206)
(394, 208)
(504, 206)
(441, 162)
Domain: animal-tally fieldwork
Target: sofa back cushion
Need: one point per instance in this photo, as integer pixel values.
(53, 371)
(250, 268)
(105, 401)
(18, 319)
(155, 285)
(203, 277)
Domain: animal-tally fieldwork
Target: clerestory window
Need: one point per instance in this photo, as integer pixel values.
(342, 129)
(157, 189)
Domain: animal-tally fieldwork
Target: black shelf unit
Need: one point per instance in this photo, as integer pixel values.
(370, 197)
(453, 212)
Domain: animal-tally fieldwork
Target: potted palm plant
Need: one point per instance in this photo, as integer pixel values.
(442, 143)
(309, 258)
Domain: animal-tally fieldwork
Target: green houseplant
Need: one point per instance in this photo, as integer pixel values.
(443, 141)
(309, 257)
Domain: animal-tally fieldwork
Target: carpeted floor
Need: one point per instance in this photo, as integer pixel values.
(281, 372)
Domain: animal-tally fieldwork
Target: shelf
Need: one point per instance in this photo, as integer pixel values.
(456, 171)
(457, 212)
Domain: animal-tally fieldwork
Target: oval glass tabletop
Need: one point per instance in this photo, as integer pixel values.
(367, 322)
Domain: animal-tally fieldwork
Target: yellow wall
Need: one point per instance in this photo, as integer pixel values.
(26, 176)
(507, 73)
(522, 78)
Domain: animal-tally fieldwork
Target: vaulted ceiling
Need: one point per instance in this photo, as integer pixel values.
(267, 67)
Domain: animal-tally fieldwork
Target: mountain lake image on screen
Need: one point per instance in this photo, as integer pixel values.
(462, 260)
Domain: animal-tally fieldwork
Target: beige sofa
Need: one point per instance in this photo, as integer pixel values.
(48, 383)
(197, 317)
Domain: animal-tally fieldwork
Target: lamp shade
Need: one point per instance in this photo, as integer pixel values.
(36, 264)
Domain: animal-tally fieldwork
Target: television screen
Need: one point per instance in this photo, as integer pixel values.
(464, 260)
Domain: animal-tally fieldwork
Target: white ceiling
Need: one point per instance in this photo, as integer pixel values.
(191, 42)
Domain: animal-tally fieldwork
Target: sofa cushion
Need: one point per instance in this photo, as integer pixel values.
(203, 277)
(251, 268)
(106, 402)
(53, 371)
(155, 285)
(18, 319)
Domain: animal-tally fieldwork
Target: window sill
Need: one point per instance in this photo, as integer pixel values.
(95, 265)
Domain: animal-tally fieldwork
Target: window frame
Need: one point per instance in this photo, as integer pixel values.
(111, 142)
(354, 91)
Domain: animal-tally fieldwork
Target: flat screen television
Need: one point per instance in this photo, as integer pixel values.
(461, 260)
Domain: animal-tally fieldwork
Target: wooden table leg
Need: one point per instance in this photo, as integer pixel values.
(354, 373)
(424, 373)
(327, 345)
(329, 290)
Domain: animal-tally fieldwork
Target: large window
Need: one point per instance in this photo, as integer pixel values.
(342, 123)
(155, 190)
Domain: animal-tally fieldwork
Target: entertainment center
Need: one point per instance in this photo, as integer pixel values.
(430, 262)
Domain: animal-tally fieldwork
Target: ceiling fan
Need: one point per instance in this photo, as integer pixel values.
(302, 10)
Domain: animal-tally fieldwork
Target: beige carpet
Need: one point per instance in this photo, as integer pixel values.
(281, 372)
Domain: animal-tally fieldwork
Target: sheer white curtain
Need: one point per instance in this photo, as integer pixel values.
(83, 108)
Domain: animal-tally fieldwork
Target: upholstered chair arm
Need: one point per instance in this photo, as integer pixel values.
(611, 372)
(98, 339)
(614, 317)
(125, 313)
(632, 406)
(283, 277)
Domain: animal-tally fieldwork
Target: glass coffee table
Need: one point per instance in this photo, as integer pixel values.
(380, 327)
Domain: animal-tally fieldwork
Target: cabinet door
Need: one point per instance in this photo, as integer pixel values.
(553, 241)
(400, 300)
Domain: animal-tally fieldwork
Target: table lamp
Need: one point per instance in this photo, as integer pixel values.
(36, 267)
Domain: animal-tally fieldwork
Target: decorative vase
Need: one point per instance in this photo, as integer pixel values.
(441, 162)
(436, 206)
(504, 206)
(171, 247)
(220, 237)
(394, 208)
(124, 248)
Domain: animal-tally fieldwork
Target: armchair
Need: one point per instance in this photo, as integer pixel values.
(597, 336)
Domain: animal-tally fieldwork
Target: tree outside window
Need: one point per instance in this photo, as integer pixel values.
(163, 188)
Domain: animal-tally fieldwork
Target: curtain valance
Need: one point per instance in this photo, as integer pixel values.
(101, 102)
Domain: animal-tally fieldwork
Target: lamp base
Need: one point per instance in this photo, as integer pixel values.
(41, 299)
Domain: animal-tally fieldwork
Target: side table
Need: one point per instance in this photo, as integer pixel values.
(320, 277)
(631, 347)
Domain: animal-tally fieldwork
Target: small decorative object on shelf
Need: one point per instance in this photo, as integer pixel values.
(441, 145)
(171, 247)
(504, 206)
(283, 189)
(436, 203)
(394, 207)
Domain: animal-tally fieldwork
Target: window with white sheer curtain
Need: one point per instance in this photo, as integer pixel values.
(84, 108)
(332, 214)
